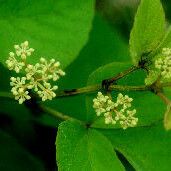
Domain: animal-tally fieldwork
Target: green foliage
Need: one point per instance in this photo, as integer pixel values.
(146, 148)
(166, 42)
(91, 51)
(79, 148)
(56, 29)
(15, 157)
(148, 29)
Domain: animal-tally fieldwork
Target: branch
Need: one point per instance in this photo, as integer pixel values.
(43, 108)
(87, 89)
(107, 82)
(57, 114)
(129, 88)
(164, 98)
(94, 88)
(167, 115)
(167, 84)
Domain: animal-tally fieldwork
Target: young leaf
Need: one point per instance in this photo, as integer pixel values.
(142, 101)
(148, 29)
(146, 148)
(55, 29)
(81, 149)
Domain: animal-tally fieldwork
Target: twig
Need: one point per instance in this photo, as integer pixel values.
(167, 84)
(94, 88)
(72, 92)
(164, 98)
(57, 114)
(107, 82)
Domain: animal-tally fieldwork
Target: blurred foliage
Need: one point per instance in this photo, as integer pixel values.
(53, 28)
(120, 13)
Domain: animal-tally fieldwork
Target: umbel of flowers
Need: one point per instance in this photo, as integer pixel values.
(163, 64)
(37, 77)
(114, 112)
(161, 68)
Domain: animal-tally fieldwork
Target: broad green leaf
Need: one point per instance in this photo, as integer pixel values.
(142, 102)
(146, 148)
(56, 29)
(105, 45)
(166, 42)
(82, 149)
(14, 157)
(148, 29)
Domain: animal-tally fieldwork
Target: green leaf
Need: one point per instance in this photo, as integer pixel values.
(166, 42)
(105, 45)
(142, 100)
(56, 29)
(146, 148)
(148, 29)
(82, 149)
(14, 157)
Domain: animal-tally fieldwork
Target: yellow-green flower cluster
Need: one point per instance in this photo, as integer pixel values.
(114, 112)
(163, 64)
(37, 77)
(161, 68)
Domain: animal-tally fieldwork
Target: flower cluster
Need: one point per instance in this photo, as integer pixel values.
(161, 68)
(21, 52)
(164, 63)
(115, 111)
(37, 77)
(152, 77)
